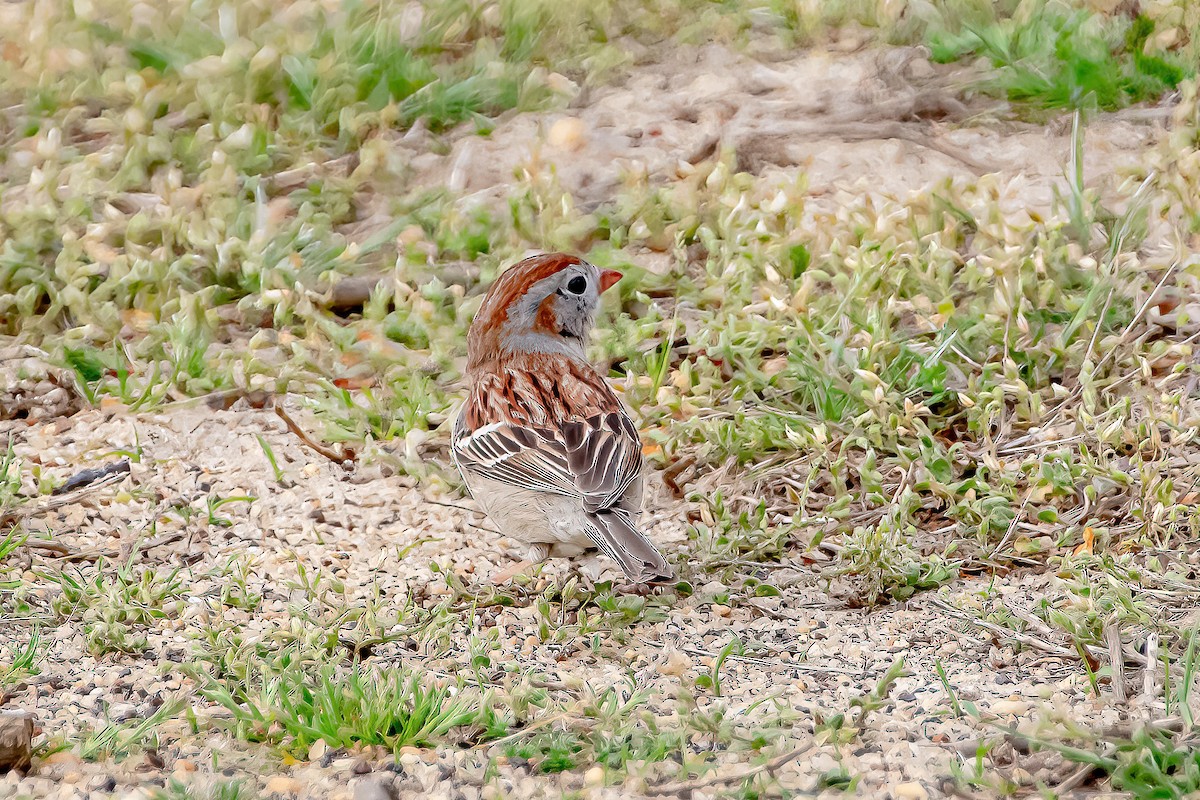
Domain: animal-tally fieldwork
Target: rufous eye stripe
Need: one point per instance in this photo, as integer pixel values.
(546, 320)
(516, 281)
(512, 284)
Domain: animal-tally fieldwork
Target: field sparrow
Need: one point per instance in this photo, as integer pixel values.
(543, 443)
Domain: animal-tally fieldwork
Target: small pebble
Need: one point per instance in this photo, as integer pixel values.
(374, 788)
(910, 791)
(676, 663)
(568, 133)
(1009, 707)
(283, 785)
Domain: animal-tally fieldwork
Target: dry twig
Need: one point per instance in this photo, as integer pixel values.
(1029, 640)
(21, 515)
(344, 459)
(89, 476)
(687, 787)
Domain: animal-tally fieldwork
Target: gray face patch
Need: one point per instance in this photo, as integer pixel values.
(574, 312)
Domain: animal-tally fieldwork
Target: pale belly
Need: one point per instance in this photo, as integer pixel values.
(534, 518)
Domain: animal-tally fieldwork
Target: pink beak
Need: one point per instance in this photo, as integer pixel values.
(607, 278)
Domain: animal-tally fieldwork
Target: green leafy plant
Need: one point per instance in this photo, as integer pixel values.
(294, 707)
(118, 740)
(21, 661)
(115, 608)
(1059, 57)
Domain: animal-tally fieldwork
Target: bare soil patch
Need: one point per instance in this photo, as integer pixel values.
(378, 536)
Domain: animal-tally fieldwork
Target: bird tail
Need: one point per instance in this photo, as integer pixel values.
(617, 537)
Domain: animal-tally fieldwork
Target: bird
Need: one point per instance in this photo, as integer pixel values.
(543, 443)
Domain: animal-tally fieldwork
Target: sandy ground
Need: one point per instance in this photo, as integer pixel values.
(810, 656)
(821, 114)
(877, 123)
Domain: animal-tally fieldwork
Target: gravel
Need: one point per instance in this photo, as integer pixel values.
(379, 534)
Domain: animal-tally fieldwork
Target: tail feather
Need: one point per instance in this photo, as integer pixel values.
(618, 538)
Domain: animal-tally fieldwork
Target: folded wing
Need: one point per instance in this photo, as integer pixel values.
(569, 437)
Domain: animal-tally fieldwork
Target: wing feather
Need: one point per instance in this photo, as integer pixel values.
(571, 438)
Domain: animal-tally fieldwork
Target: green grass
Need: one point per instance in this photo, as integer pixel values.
(116, 607)
(836, 357)
(1145, 760)
(1153, 764)
(19, 661)
(119, 740)
(616, 729)
(1053, 55)
(224, 790)
(911, 389)
(213, 105)
(296, 707)
(1150, 763)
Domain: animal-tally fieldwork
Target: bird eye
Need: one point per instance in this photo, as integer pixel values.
(577, 285)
